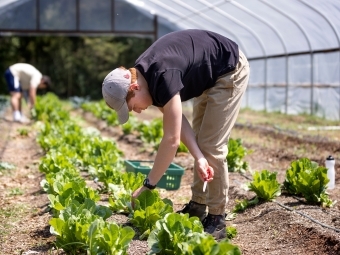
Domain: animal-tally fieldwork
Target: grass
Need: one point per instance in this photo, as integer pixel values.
(16, 192)
(294, 122)
(6, 168)
(23, 131)
(280, 121)
(276, 120)
(9, 216)
(249, 137)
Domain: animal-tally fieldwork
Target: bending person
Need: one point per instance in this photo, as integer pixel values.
(23, 80)
(190, 64)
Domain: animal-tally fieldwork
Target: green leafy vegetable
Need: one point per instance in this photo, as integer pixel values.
(265, 185)
(307, 178)
(236, 153)
(244, 204)
(149, 209)
(108, 238)
(172, 233)
(72, 225)
(231, 232)
(178, 234)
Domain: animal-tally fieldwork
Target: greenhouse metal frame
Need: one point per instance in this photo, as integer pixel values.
(293, 46)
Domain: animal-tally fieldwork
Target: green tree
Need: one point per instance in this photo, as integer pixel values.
(76, 65)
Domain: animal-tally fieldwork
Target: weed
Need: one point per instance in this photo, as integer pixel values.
(23, 131)
(16, 192)
(9, 216)
(6, 166)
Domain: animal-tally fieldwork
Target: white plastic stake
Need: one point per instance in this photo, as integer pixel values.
(204, 186)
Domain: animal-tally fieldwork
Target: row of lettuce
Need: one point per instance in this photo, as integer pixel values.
(151, 132)
(303, 178)
(80, 166)
(80, 223)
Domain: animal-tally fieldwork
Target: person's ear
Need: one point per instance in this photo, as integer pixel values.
(134, 86)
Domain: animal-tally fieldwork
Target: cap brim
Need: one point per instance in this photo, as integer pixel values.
(123, 113)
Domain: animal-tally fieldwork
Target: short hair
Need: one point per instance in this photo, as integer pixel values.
(46, 80)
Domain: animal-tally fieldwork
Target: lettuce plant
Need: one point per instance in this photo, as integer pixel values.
(56, 161)
(308, 179)
(65, 188)
(241, 205)
(149, 208)
(132, 181)
(120, 199)
(177, 234)
(231, 232)
(130, 126)
(101, 111)
(172, 233)
(265, 185)
(72, 225)
(151, 132)
(121, 194)
(236, 153)
(48, 108)
(108, 238)
(69, 192)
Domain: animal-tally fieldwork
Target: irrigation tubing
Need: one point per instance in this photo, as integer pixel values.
(298, 212)
(310, 218)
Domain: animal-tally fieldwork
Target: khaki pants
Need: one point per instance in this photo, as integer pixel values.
(214, 115)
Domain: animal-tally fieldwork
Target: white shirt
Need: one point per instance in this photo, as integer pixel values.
(26, 74)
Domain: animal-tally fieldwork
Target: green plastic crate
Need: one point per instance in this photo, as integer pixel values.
(171, 180)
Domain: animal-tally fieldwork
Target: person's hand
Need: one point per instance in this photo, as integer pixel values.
(135, 194)
(204, 171)
(210, 172)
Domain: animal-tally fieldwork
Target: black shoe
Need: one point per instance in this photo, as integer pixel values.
(195, 209)
(215, 225)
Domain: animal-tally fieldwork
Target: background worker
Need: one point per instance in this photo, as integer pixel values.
(177, 67)
(24, 80)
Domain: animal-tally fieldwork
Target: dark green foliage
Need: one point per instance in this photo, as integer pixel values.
(76, 65)
(265, 185)
(241, 205)
(236, 153)
(308, 179)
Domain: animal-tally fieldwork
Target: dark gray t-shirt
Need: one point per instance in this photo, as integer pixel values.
(188, 61)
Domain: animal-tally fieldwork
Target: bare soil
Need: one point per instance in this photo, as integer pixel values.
(285, 226)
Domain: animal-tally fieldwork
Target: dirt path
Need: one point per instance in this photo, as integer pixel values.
(23, 216)
(286, 226)
(280, 227)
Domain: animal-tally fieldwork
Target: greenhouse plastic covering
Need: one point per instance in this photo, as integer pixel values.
(292, 45)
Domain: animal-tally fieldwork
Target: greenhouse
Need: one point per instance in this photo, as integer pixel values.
(293, 45)
(127, 127)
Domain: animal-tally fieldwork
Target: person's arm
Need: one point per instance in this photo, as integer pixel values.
(172, 121)
(188, 138)
(173, 130)
(32, 96)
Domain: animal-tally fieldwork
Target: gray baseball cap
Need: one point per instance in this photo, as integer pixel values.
(115, 88)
